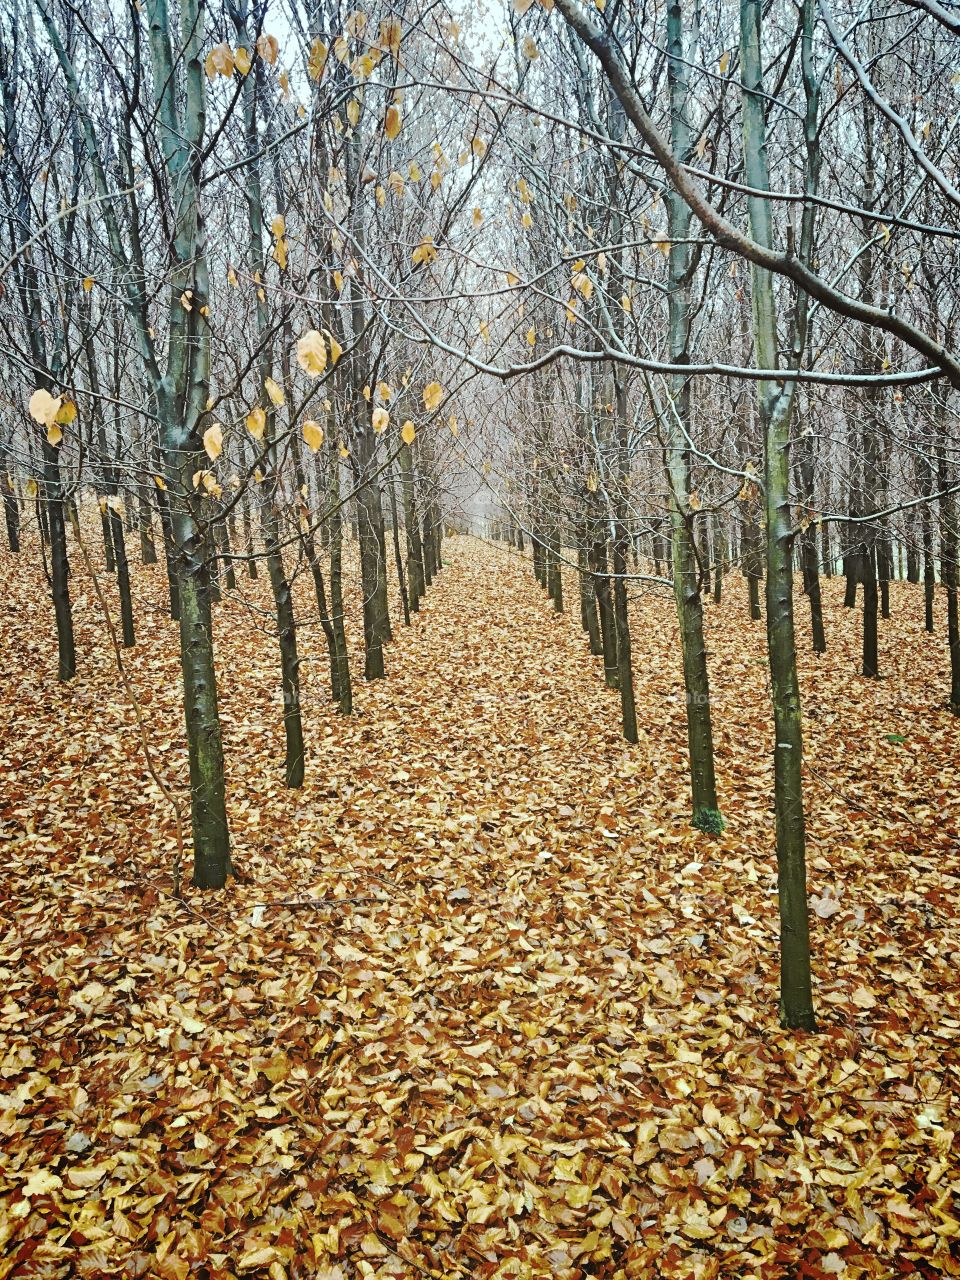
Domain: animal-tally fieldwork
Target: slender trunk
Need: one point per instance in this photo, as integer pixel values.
(719, 557)
(253, 85)
(554, 579)
(59, 564)
(169, 553)
(148, 548)
(948, 559)
(344, 687)
(796, 997)
(412, 526)
(608, 632)
(676, 427)
(123, 578)
(11, 508)
(588, 604)
(369, 519)
(397, 553)
(808, 542)
(621, 543)
(221, 535)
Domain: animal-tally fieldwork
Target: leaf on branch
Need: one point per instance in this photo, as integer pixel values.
(425, 252)
(392, 122)
(256, 422)
(408, 432)
(213, 441)
(44, 407)
(312, 434)
(219, 61)
(432, 395)
(312, 353)
(268, 48)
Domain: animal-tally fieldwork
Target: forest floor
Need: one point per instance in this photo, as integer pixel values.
(480, 1003)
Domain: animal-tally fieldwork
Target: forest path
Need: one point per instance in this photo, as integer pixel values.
(480, 993)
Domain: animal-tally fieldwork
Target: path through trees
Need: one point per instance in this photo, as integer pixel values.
(478, 986)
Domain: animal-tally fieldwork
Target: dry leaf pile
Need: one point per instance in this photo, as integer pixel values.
(480, 1003)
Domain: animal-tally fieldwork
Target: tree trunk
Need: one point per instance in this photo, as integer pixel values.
(676, 425)
(588, 604)
(59, 565)
(11, 508)
(412, 526)
(796, 997)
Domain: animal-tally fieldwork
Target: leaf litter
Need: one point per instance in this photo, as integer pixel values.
(479, 1002)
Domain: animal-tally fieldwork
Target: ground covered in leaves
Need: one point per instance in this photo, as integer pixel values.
(480, 1003)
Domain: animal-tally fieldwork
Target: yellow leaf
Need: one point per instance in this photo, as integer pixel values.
(532, 336)
(268, 48)
(390, 34)
(312, 354)
(380, 417)
(159, 482)
(432, 395)
(353, 111)
(44, 407)
(41, 1182)
(257, 1258)
(578, 1194)
(336, 351)
(213, 441)
(280, 254)
(30, 488)
(408, 432)
(67, 413)
(344, 451)
(724, 62)
(317, 60)
(452, 423)
(54, 434)
(256, 422)
(219, 61)
(274, 391)
(583, 284)
(425, 252)
(231, 277)
(87, 283)
(278, 226)
(312, 434)
(242, 60)
(392, 122)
